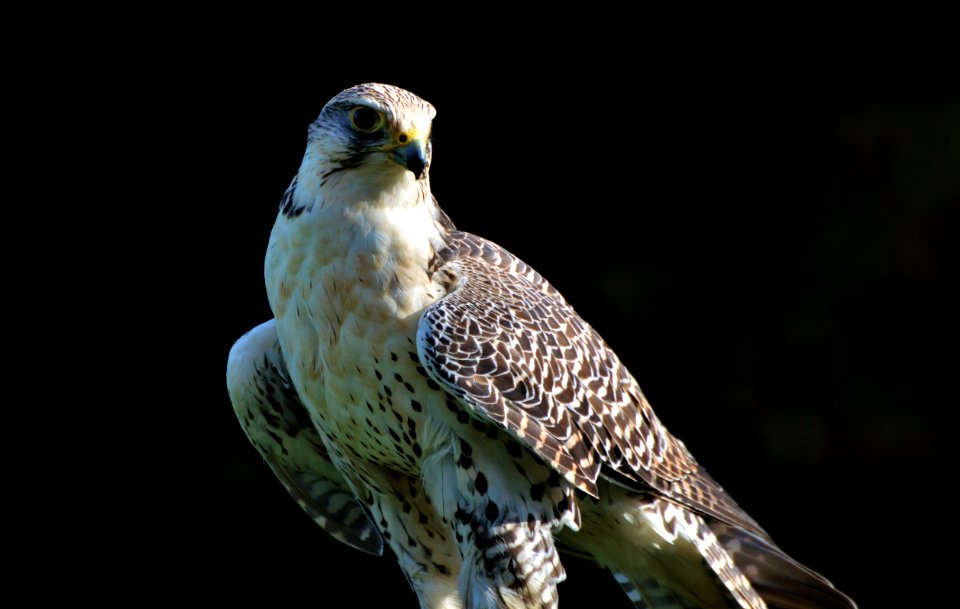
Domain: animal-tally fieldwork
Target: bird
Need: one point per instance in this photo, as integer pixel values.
(422, 389)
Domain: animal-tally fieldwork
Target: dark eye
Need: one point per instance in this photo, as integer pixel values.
(365, 119)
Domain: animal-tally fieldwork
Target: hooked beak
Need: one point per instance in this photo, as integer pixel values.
(412, 156)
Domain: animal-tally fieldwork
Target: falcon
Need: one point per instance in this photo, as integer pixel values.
(423, 389)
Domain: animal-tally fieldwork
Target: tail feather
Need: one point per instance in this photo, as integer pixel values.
(666, 553)
(630, 589)
(665, 556)
(781, 581)
(648, 593)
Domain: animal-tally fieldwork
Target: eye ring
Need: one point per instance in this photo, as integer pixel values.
(365, 120)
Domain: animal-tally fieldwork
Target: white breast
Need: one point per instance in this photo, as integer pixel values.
(347, 282)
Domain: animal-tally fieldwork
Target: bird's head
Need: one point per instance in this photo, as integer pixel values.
(377, 134)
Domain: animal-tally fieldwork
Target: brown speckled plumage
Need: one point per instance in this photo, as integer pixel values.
(509, 344)
(479, 421)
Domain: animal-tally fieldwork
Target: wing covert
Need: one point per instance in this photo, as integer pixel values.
(510, 347)
(277, 424)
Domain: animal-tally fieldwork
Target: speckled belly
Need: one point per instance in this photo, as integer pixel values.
(378, 395)
(378, 399)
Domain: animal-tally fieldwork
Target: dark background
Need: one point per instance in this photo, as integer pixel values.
(765, 235)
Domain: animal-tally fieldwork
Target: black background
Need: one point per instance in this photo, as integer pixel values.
(765, 233)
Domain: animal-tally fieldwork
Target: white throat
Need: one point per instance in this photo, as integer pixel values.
(370, 232)
(380, 205)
